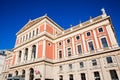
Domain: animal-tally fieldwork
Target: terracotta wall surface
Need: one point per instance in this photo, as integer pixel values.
(49, 29)
(40, 49)
(49, 49)
(41, 28)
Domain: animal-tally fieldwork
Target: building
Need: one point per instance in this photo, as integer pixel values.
(7, 64)
(45, 51)
(2, 60)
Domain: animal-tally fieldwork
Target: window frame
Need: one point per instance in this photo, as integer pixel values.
(81, 64)
(68, 40)
(69, 52)
(89, 47)
(104, 42)
(99, 29)
(70, 66)
(109, 59)
(94, 62)
(78, 50)
(77, 36)
(88, 34)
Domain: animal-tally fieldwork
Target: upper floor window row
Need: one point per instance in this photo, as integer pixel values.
(29, 35)
(88, 33)
(100, 29)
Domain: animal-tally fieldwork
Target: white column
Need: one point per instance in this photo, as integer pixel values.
(112, 37)
(73, 45)
(22, 56)
(29, 53)
(27, 73)
(84, 45)
(16, 59)
(64, 48)
(96, 41)
(44, 49)
(36, 50)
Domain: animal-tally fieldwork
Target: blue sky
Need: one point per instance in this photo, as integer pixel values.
(14, 14)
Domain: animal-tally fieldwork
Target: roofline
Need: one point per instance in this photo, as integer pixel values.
(42, 17)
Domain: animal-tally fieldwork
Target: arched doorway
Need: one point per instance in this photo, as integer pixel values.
(23, 74)
(31, 76)
(16, 73)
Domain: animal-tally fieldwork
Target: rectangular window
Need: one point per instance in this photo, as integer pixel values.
(100, 30)
(60, 54)
(88, 33)
(79, 49)
(109, 60)
(69, 51)
(81, 64)
(94, 62)
(70, 66)
(91, 47)
(114, 75)
(104, 42)
(96, 75)
(60, 68)
(83, 76)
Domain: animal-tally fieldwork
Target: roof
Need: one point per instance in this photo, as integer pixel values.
(35, 21)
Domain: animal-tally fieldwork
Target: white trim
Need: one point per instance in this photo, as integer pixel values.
(84, 45)
(44, 48)
(96, 40)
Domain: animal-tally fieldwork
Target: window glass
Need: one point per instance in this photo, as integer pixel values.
(68, 40)
(83, 77)
(94, 62)
(71, 77)
(81, 64)
(69, 51)
(33, 51)
(77, 37)
(37, 31)
(60, 54)
(104, 42)
(60, 68)
(100, 30)
(60, 77)
(109, 59)
(96, 76)
(113, 75)
(79, 49)
(91, 47)
(88, 33)
(70, 66)
(60, 43)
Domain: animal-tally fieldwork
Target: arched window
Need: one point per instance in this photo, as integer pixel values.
(36, 31)
(19, 56)
(16, 73)
(33, 33)
(33, 51)
(23, 73)
(26, 54)
(71, 77)
(31, 76)
(60, 77)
